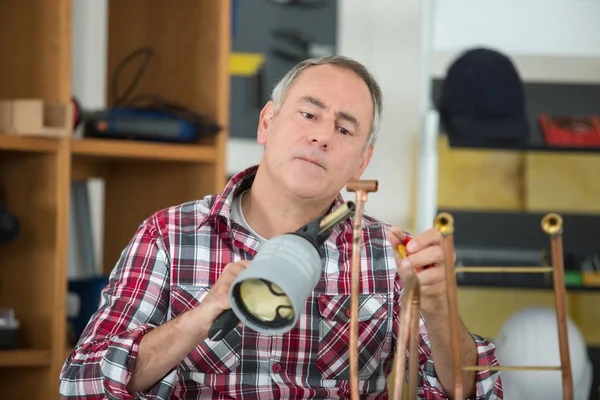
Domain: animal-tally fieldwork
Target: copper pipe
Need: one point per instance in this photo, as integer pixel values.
(509, 368)
(444, 223)
(413, 352)
(363, 185)
(362, 188)
(552, 225)
(408, 333)
(515, 270)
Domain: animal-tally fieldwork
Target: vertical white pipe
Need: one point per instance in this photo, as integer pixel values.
(89, 71)
(427, 179)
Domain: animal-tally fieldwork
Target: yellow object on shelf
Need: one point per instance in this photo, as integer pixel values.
(245, 64)
(591, 278)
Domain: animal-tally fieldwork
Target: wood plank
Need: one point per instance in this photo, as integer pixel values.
(222, 90)
(28, 143)
(480, 179)
(24, 358)
(563, 182)
(587, 316)
(128, 149)
(83, 168)
(35, 49)
(28, 383)
(474, 305)
(58, 279)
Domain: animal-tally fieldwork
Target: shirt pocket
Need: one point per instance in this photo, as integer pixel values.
(209, 357)
(334, 334)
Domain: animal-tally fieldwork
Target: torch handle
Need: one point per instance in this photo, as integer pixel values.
(224, 323)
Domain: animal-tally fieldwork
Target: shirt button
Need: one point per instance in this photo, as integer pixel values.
(348, 313)
(276, 368)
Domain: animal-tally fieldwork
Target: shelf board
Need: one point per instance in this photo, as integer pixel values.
(33, 144)
(129, 149)
(24, 358)
(534, 68)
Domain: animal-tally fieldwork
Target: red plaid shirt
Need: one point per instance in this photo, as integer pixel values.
(169, 266)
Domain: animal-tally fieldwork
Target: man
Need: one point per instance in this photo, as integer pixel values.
(149, 337)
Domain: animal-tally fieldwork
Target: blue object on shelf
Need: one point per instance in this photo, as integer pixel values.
(89, 291)
(144, 124)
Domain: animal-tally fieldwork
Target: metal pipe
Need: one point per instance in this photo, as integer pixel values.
(552, 225)
(444, 223)
(363, 185)
(362, 188)
(408, 333)
(509, 368)
(516, 270)
(414, 341)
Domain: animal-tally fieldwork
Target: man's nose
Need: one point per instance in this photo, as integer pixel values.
(321, 135)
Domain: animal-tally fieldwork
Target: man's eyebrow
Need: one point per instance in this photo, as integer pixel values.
(343, 115)
(348, 117)
(312, 100)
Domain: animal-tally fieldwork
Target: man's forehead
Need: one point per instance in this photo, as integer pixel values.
(311, 84)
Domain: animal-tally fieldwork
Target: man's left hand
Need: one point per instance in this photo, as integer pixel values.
(423, 250)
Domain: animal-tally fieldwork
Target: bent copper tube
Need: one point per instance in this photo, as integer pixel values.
(408, 332)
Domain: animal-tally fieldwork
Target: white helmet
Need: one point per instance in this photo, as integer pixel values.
(530, 338)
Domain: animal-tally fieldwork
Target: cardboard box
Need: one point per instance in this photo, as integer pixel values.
(36, 117)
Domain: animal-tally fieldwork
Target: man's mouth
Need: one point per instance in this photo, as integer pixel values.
(312, 161)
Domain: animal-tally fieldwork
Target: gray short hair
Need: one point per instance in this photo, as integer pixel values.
(280, 90)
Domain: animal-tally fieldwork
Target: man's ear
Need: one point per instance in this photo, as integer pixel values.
(366, 158)
(264, 122)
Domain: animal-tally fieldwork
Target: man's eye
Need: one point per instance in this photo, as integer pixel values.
(307, 115)
(344, 131)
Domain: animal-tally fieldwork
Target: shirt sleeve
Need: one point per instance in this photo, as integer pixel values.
(488, 384)
(133, 303)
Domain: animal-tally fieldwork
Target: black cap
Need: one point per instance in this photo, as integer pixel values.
(482, 100)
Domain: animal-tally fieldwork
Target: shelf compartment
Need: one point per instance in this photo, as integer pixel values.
(34, 190)
(28, 143)
(129, 149)
(190, 51)
(24, 358)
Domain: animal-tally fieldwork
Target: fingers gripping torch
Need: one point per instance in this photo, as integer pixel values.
(270, 294)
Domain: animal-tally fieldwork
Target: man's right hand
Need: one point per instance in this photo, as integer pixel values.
(164, 347)
(217, 299)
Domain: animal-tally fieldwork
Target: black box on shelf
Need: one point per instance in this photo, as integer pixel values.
(9, 329)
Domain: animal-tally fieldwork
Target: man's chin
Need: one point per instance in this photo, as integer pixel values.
(307, 189)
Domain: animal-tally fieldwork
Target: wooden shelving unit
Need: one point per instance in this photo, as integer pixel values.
(191, 41)
(27, 144)
(24, 358)
(115, 149)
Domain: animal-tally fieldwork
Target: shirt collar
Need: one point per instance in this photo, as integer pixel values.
(221, 207)
(221, 204)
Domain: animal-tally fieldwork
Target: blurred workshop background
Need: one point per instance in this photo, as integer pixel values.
(492, 113)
